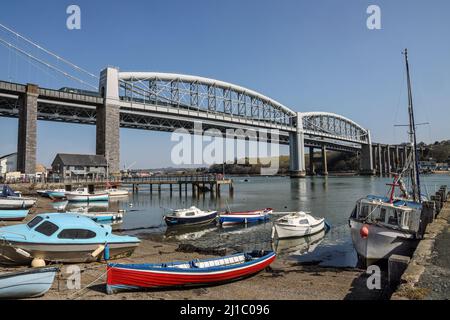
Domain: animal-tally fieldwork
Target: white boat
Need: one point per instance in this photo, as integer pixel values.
(117, 192)
(82, 194)
(299, 246)
(297, 224)
(9, 203)
(100, 216)
(386, 225)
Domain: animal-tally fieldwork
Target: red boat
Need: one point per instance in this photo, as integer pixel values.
(189, 273)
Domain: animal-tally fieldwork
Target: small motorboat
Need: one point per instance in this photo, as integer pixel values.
(100, 216)
(13, 215)
(297, 224)
(113, 192)
(30, 283)
(83, 195)
(61, 238)
(56, 194)
(189, 216)
(188, 273)
(230, 218)
(43, 193)
(14, 200)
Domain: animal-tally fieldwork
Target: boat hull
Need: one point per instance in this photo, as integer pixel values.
(177, 221)
(87, 198)
(27, 284)
(10, 203)
(381, 242)
(226, 220)
(122, 277)
(289, 231)
(60, 253)
(13, 215)
(56, 194)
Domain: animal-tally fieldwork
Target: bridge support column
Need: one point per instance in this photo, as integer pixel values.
(324, 161)
(366, 158)
(297, 150)
(108, 119)
(312, 168)
(380, 166)
(27, 132)
(397, 159)
(388, 154)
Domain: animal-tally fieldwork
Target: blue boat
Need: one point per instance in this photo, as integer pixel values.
(30, 283)
(13, 215)
(62, 238)
(56, 194)
(244, 217)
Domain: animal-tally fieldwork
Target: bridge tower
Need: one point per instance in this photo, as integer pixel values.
(366, 157)
(27, 132)
(297, 149)
(108, 119)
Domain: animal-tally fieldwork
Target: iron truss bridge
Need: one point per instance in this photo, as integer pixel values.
(166, 102)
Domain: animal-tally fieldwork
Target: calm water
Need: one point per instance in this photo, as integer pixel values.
(329, 197)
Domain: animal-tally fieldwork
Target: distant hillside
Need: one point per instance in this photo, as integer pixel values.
(440, 151)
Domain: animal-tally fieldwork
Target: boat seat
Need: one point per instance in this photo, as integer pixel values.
(219, 262)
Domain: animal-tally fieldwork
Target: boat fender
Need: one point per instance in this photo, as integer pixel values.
(97, 251)
(23, 252)
(106, 253)
(37, 263)
(364, 232)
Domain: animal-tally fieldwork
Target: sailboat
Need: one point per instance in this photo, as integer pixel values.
(392, 224)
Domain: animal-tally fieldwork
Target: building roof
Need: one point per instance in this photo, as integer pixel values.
(8, 155)
(81, 160)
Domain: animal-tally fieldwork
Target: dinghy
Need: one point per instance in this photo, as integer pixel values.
(29, 283)
(189, 216)
(113, 192)
(56, 194)
(189, 273)
(297, 224)
(230, 218)
(100, 216)
(61, 237)
(13, 215)
(82, 194)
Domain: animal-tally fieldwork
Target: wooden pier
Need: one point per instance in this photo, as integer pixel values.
(199, 184)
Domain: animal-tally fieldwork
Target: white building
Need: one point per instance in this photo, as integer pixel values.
(8, 163)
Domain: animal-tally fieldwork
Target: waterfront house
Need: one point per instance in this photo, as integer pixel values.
(8, 163)
(79, 166)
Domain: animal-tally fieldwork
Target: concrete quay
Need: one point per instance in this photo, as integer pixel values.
(427, 276)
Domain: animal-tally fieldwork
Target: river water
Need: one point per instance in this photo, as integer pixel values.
(329, 197)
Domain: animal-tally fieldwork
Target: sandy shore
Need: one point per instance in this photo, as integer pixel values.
(283, 280)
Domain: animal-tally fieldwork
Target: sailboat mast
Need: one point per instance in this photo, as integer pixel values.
(412, 136)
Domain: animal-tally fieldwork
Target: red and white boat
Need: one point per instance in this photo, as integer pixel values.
(189, 273)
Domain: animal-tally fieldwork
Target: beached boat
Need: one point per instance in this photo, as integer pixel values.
(61, 237)
(117, 192)
(382, 226)
(189, 216)
(100, 216)
(189, 273)
(297, 224)
(13, 215)
(83, 195)
(229, 218)
(10, 199)
(28, 283)
(56, 194)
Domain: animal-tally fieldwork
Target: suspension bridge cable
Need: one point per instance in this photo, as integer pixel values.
(48, 52)
(48, 65)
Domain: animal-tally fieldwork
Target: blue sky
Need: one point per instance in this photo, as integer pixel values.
(309, 55)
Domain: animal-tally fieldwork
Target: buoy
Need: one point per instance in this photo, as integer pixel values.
(97, 251)
(106, 253)
(37, 262)
(364, 232)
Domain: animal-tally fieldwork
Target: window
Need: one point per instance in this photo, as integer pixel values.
(303, 221)
(364, 211)
(393, 217)
(47, 228)
(34, 222)
(76, 234)
(189, 214)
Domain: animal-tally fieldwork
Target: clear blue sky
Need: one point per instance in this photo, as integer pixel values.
(309, 55)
